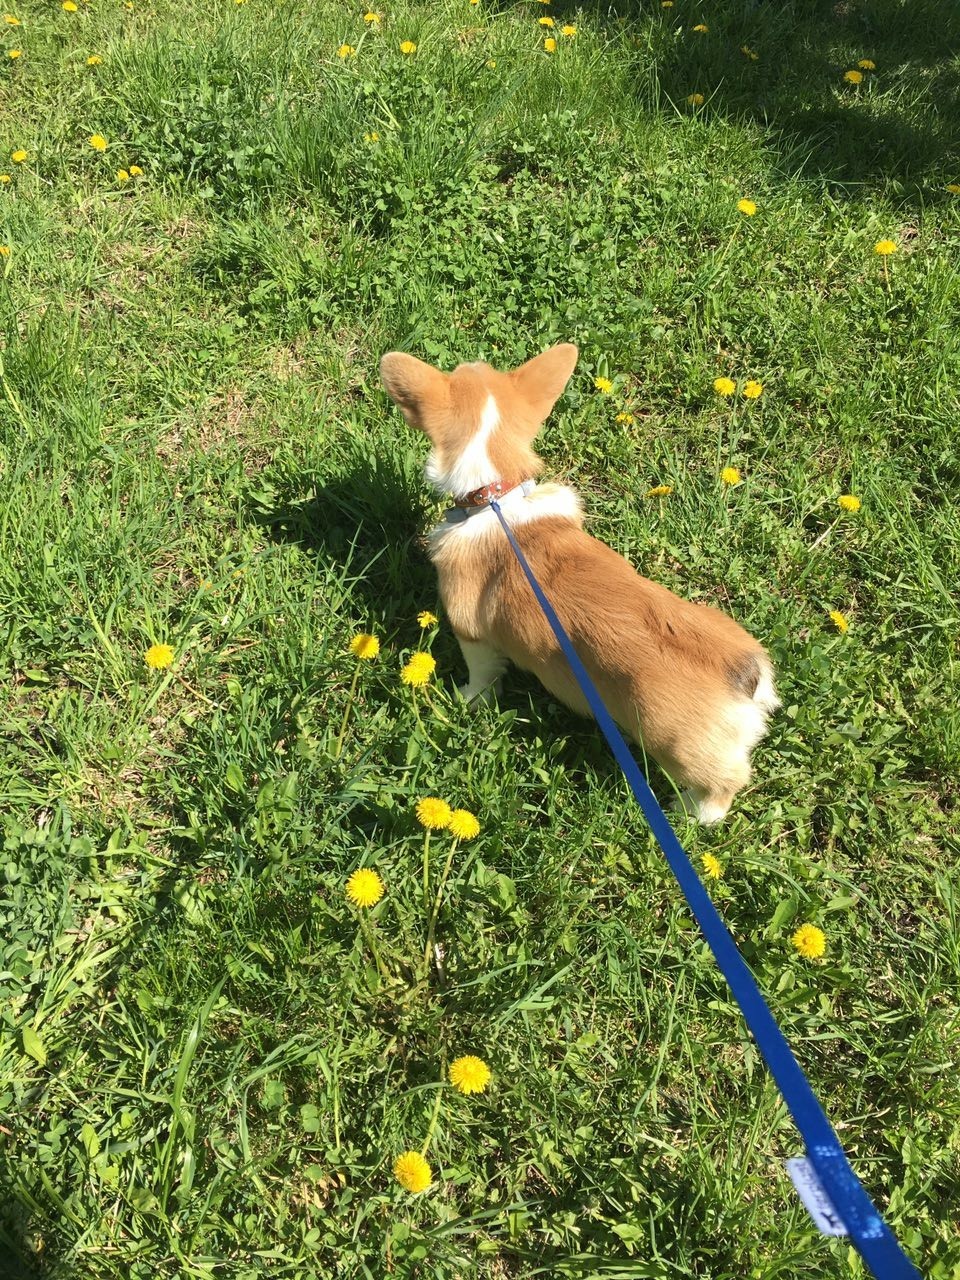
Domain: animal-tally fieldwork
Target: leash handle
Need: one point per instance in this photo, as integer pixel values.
(871, 1236)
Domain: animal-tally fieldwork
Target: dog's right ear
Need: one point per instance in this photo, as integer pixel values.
(541, 380)
(419, 390)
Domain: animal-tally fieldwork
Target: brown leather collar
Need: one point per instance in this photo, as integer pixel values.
(483, 496)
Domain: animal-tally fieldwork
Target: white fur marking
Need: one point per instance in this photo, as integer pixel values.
(743, 724)
(472, 467)
(708, 811)
(765, 695)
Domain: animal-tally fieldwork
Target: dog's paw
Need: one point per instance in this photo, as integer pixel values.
(699, 809)
(486, 695)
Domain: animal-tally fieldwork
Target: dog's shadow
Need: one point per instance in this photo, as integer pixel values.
(362, 526)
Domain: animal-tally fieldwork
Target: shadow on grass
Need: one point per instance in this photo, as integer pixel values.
(784, 66)
(360, 521)
(12, 1265)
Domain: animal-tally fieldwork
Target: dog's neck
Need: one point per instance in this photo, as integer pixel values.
(486, 493)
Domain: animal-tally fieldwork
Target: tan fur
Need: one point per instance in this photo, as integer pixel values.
(683, 679)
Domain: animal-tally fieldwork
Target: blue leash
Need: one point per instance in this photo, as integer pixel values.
(842, 1201)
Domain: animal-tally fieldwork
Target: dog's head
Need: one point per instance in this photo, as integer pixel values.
(480, 422)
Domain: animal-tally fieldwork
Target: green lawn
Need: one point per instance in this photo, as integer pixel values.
(210, 1059)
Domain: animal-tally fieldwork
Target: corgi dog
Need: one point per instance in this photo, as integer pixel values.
(683, 680)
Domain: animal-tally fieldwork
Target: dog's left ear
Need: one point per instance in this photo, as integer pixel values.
(541, 380)
(420, 390)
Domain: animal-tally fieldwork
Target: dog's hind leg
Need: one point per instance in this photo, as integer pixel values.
(485, 666)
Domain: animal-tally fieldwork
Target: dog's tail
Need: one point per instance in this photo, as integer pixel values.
(752, 676)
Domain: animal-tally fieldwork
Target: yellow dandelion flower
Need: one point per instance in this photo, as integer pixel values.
(18, 157)
(626, 418)
(469, 1074)
(4, 251)
(407, 46)
(696, 99)
(724, 386)
(603, 385)
(659, 491)
(372, 136)
(426, 618)
(135, 171)
(730, 475)
(463, 825)
(364, 646)
(412, 1172)
(10, 20)
(546, 22)
(5, 178)
(712, 867)
(364, 888)
(418, 670)
(346, 51)
(885, 247)
(749, 53)
(474, 1)
(666, 4)
(433, 814)
(550, 44)
(158, 656)
(94, 60)
(68, 6)
(847, 502)
(14, 53)
(747, 206)
(123, 175)
(98, 142)
(839, 621)
(491, 64)
(867, 64)
(810, 941)
(954, 188)
(853, 77)
(702, 28)
(753, 390)
(568, 29)
(371, 19)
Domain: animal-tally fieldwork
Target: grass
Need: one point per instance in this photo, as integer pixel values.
(207, 1065)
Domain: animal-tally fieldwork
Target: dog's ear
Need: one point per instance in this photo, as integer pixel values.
(541, 380)
(419, 390)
